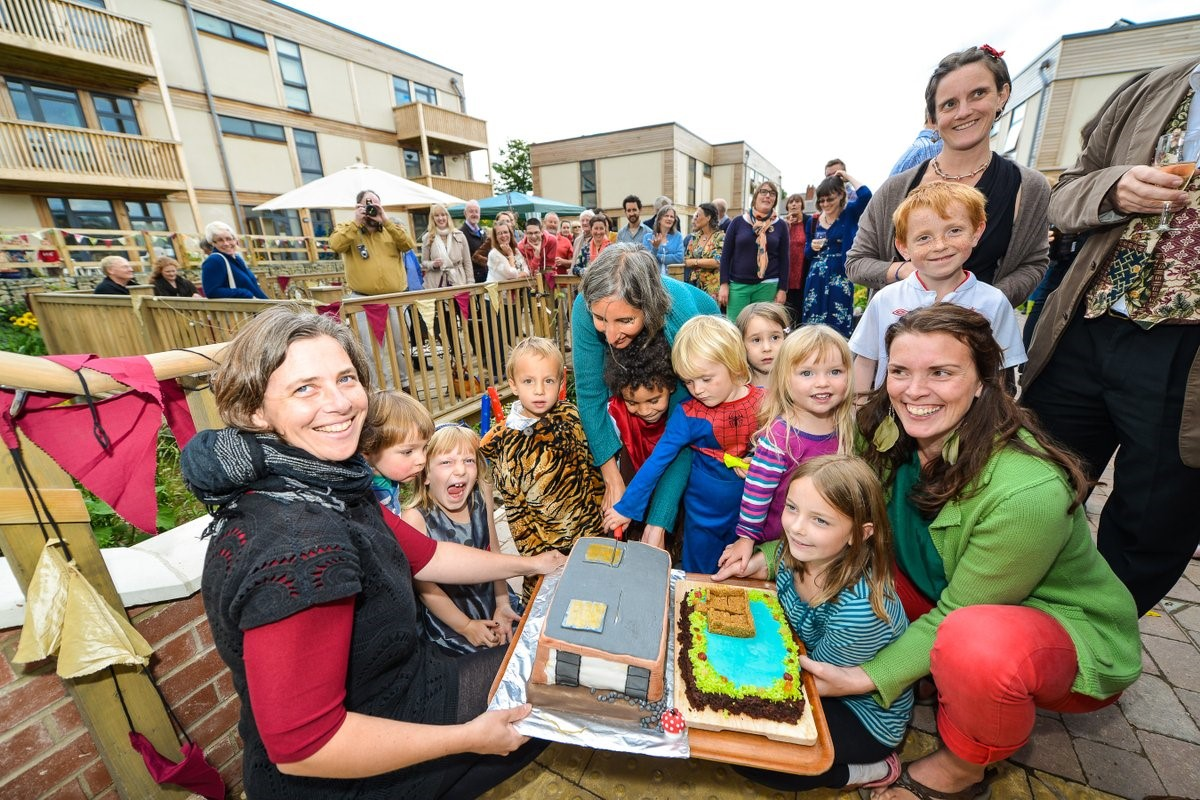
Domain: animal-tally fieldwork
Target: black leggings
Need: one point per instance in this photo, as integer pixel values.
(852, 744)
(469, 775)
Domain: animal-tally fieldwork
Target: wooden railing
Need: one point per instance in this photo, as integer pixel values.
(54, 24)
(442, 124)
(459, 187)
(39, 152)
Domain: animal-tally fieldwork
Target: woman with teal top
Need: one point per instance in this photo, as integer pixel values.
(624, 303)
(1011, 607)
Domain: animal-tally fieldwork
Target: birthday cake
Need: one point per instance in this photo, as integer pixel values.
(606, 627)
(738, 664)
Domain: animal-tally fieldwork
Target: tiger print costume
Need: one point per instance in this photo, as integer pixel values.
(550, 489)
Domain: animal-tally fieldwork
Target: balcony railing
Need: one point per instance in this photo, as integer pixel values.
(49, 31)
(455, 133)
(459, 187)
(32, 152)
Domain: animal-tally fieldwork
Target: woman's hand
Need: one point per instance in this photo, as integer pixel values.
(544, 563)
(437, 263)
(614, 484)
(781, 296)
(723, 295)
(658, 239)
(835, 681)
(481, 632)
(493, 734)
(655, 536)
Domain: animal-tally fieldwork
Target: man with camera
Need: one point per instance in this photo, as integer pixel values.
(372, 248)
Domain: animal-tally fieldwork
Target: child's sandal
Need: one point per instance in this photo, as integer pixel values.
(977, 791)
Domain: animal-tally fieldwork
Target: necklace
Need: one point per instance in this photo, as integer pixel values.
(938, 169)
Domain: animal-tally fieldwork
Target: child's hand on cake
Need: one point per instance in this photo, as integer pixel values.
(493, 733)
(614, 519)
(735, 560)
(482, 632)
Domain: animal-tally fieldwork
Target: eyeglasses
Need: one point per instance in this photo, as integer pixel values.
(766, 193)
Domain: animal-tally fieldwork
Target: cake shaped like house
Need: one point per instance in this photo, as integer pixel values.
(607, 624)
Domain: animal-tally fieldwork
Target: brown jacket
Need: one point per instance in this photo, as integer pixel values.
(1125, 136)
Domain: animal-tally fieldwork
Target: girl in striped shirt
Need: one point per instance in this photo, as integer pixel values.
(808, 411)
(832, 572)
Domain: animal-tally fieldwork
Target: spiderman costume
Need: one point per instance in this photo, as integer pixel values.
(714, 491)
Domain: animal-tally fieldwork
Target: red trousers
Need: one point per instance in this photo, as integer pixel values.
(994, 666)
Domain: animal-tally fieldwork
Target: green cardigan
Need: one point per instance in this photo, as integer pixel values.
(1012, 542)
(592, 395)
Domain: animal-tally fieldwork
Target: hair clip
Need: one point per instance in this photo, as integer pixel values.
(991, 51)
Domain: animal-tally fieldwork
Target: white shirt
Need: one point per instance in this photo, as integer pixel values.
(500, 270)
(897, 299)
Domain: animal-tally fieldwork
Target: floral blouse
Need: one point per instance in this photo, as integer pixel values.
(706, 278)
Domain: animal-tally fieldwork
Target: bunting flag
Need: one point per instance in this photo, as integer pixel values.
(331, 310)
(427, 310)
(550, 282)
(377, 317)
(283, 280)
(122, 473)
(464, 303)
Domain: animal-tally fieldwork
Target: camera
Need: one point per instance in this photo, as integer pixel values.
(371, 210)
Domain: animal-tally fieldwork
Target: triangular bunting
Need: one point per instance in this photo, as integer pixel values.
(377, 317)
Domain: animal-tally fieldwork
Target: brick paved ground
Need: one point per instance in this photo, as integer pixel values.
(1146, 744)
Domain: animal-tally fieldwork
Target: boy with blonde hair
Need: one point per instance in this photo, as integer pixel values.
(937, 227)
(540, 460)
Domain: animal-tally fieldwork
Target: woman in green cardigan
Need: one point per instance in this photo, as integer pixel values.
(1012, 608)
(623, 302)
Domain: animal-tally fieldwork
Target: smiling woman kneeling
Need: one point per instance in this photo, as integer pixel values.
(1011, 606)
(308, 587)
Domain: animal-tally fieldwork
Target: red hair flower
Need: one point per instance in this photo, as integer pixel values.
(991, 51)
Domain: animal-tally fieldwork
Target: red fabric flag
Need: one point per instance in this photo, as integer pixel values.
(377, 316)
(331, 310)
(284, 280)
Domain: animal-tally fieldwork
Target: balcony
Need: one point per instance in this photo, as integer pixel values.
(34, 156)
(459, 187)
(447, 132)
(74, 43)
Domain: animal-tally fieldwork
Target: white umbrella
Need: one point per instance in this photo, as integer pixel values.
(339, 190)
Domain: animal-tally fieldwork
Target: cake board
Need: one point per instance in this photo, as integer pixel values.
(747, 745)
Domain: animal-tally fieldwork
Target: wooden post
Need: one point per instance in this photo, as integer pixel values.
(94, 695)
(60, 244)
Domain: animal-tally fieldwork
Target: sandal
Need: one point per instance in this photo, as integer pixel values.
(893, 773)
(979, 791)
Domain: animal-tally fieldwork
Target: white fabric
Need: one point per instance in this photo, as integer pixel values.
(500, 270)
(897, 299)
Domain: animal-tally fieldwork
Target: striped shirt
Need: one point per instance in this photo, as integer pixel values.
(779, 451)
(845, 631)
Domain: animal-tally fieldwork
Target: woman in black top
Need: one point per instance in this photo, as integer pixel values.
(168, 282)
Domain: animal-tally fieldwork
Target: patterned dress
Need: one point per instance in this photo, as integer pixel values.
(828, 293)
(550, 488)
(709, 280)
(476, 600)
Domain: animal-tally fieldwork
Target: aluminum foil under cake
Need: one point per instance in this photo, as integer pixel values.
(589, 731)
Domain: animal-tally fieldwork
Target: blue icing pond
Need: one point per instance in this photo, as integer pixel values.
(757, 662)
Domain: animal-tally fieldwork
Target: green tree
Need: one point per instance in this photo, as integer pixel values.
(514, 172)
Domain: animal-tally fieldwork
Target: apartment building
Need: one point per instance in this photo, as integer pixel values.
(166, 115)
(601, 169)
(1064, 86)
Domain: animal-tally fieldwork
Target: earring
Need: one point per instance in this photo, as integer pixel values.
(950, 448)
(887, 433)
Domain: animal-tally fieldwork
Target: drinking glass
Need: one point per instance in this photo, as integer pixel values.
(1176, 154)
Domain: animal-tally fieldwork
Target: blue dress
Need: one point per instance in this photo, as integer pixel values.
(828, 293)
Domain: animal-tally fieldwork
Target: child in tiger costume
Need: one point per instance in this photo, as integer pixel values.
(540, 460)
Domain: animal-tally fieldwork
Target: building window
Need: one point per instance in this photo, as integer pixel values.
(425, 94)
(420, 221)
(229, 30)
(587, 183)
(255, 130)
(437, 164)
(308, 155)
(295, 87)
(92, 3)
(1016, 121)
(412, 164)
(707, 170)
(401, 91)
(691, 197)
(36, 102)
(145, 216)
(116, 114)
(77, 213)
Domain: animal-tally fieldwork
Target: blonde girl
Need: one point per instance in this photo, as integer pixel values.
(763, 326)
(717, 423)
(453, 504)
(832, 572)
(393, 441)
(808, 411)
